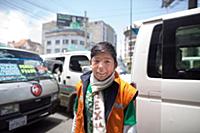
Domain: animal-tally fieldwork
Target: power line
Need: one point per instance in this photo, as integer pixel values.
(20, 9)
(27, 12)
(36, 5)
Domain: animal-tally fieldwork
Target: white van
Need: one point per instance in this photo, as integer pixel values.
(28, 92)
(169, 91)
(71, 66)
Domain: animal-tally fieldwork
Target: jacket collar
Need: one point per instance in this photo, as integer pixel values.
(85, 81)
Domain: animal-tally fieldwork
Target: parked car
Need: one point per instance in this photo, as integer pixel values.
(169, 88)
(28, 92)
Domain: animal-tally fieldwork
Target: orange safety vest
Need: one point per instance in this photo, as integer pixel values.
(115, 120)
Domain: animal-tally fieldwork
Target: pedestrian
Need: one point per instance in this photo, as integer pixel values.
(104, 103)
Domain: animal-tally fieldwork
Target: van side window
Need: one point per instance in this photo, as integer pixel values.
(188, 48)
(181, 48)
(154, 68)
(77, 62)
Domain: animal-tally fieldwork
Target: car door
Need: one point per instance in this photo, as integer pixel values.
(180, 110)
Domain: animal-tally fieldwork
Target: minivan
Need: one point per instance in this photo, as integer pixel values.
(28, 92)
(166, 72)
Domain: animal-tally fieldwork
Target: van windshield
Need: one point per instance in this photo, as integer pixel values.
(17, 66)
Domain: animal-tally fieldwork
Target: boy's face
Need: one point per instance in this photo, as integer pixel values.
(103, 66)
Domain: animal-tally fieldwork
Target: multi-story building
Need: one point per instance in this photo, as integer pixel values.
(129, 45)
(59, 39)
(100, 31)
(70, 33)
(49, 26)
(65, 34)
(27, 44)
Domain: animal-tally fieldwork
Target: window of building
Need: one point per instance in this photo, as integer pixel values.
(74, 41)
(48, 42)
(82, 42)
(57, 41)
(57, 50)
(64, 49)
(48, 51)
(65, 41)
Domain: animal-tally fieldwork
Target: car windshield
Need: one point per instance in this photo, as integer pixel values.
(17, 66)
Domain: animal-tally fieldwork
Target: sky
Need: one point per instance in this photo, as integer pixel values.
(22, 19)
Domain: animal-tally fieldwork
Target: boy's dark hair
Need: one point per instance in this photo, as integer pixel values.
(103, 47)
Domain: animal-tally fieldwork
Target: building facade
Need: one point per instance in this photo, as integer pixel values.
(129, 45)
(60, 39)
(72, 33)
(100, 31)
(27, 44)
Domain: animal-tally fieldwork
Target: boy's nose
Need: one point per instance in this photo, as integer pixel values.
(101, 66)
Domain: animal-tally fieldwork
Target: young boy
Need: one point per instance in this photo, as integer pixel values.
(104, 101)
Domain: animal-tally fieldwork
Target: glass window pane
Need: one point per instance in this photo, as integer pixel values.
(188, 47)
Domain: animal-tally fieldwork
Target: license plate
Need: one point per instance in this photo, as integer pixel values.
(18, 122)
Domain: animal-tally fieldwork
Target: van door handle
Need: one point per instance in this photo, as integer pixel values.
(68, 77)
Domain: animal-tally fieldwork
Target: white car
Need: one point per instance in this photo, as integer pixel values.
(68, 67)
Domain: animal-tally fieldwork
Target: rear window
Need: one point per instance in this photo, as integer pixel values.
(17, 66)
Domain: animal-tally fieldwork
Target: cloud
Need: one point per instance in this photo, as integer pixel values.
(15, 25)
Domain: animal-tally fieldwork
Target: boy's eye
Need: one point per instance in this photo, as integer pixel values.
(96, 61)
(107, 61)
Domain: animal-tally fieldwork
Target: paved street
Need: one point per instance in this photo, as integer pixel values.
(57, 123)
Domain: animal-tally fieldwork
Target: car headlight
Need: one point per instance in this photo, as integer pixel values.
(54, 97)
(8, 109)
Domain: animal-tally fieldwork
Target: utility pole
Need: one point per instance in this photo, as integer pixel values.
(130, 39)
(85, 28)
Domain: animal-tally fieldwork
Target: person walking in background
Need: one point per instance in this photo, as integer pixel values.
(104, 103)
